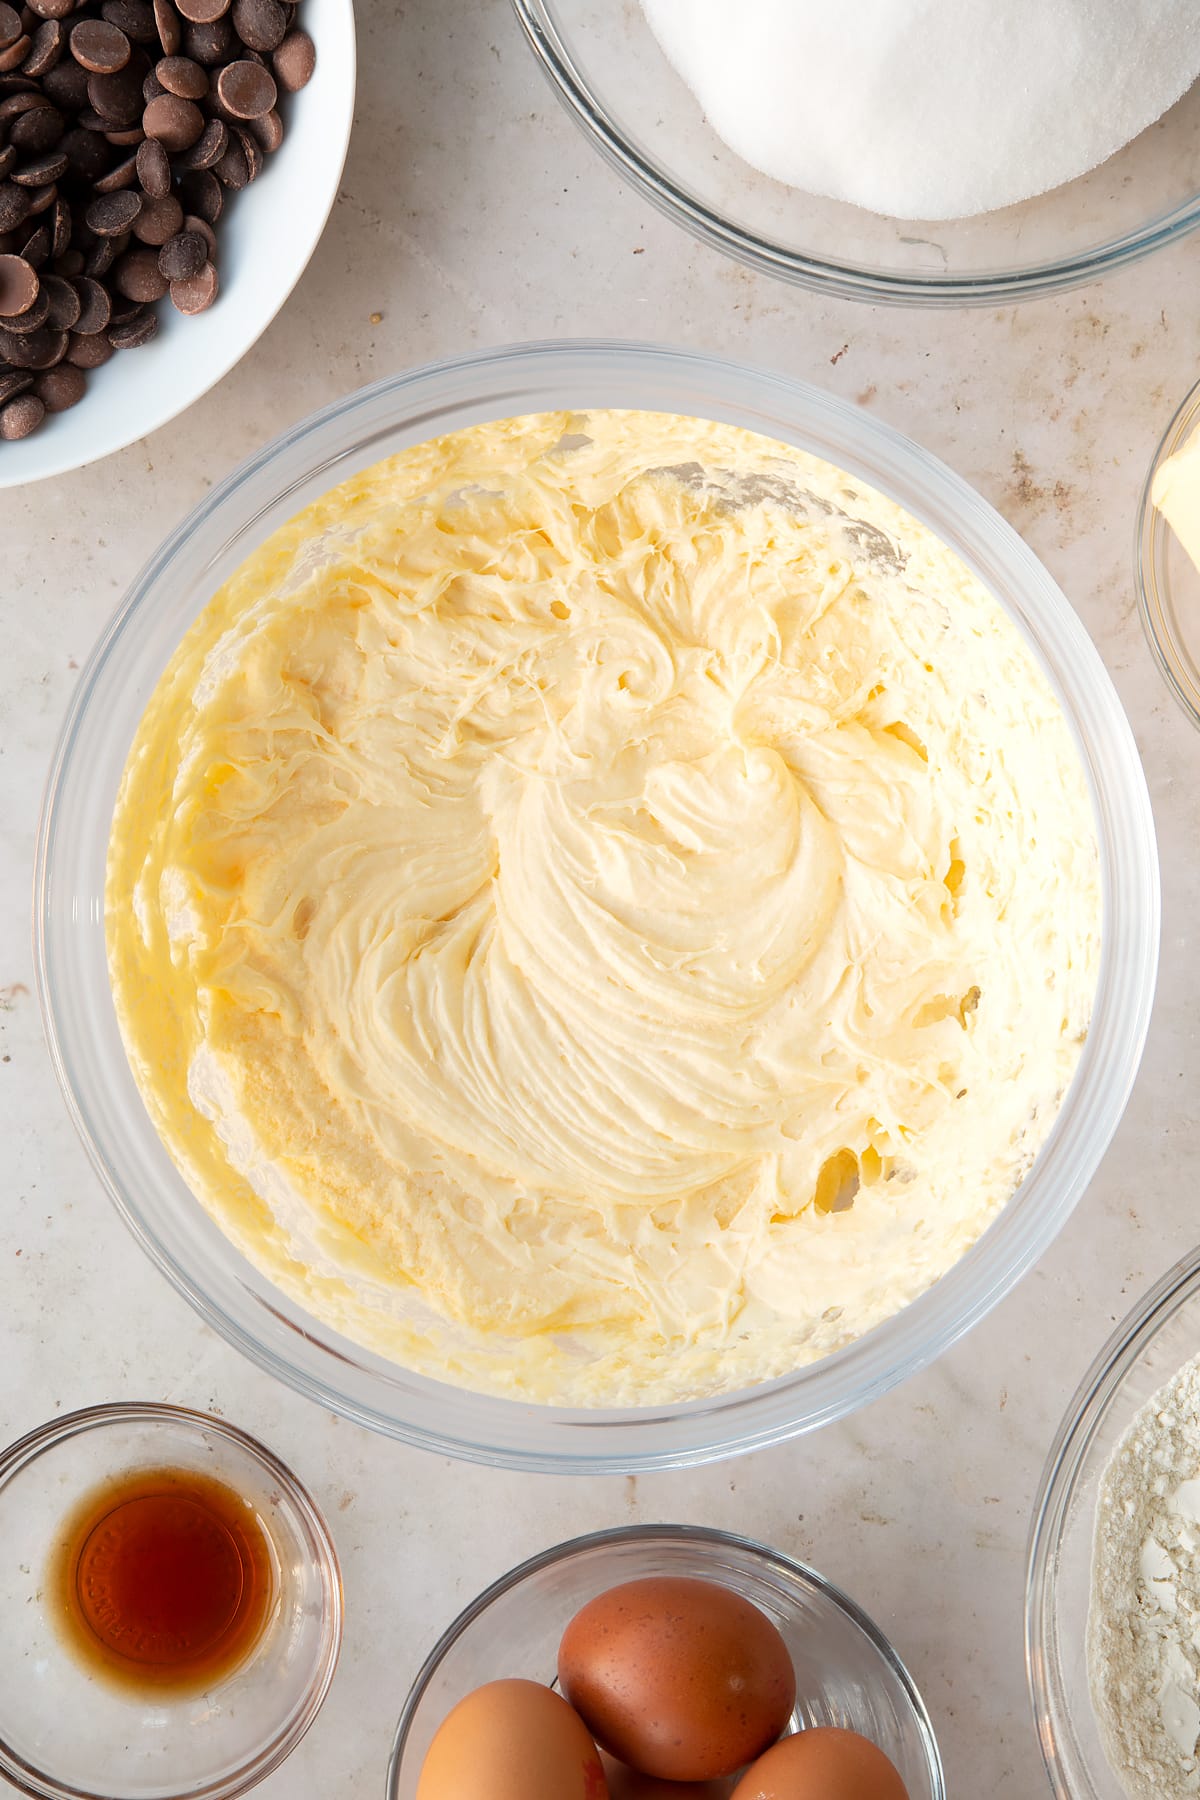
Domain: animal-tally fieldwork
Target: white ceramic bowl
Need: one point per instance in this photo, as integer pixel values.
(264, 242)
(81, 1024)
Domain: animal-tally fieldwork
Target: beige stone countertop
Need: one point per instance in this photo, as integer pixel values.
(472, 212)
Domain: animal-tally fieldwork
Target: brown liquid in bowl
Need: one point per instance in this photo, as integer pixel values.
(163, 1579)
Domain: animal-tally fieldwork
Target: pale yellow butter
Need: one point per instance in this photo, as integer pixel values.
(603, 908)
(1176, 494)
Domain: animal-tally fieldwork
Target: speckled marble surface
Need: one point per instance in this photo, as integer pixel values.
(473, 213)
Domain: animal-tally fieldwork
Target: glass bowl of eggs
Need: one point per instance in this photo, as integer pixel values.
(646, 1634)
(646, 81)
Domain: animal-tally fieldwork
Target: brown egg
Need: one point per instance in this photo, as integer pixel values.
(512, 1740)
(679, 1678)
(822, 1763)
(625, 1783)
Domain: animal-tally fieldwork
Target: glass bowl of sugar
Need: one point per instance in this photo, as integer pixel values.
(1114, 1556)
(1124, 155)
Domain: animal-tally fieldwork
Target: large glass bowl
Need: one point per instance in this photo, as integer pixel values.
(1168, 582)
(847, 1674)
(72, 970)
(615, 81)
(1148, 1346)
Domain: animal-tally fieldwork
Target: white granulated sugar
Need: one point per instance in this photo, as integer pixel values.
(930, 109)
(1144, 1620)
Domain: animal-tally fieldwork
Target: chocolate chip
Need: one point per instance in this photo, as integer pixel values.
(197, 293)
(175, 123)
(15, 55)
(169, 26)
(37, 130)
(15, 206)
(13, 105)
(53, 9)
(66, 85)
(121, 175)
(21, 416)
(43, 169)
(37, 247)
(41, 197)
(294, 61)
(180, 75)
(134, 17)
(118, 97)
(137, 276)
(33, 318)
(99, 47)
(30, 350)
(259, 23)
(135, 331)
(95, 306)
(45, 47)
(111, 214)
(253, 152)
(10, 25)
(158, 220)
(69, 264)
(88, 352)
(245, 90)
(208, 149)
(202, 227)
(184, 256)
(232, 169)
(14, 381)
(63, 302)
(60, 387)
(203, 194)
(203, 12)
(19, 286)
(268, 130)
(210, 44)
(8, 157)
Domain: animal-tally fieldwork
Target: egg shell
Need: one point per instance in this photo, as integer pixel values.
(512, 1740)
(625, 1783)
(680, 1678)
(823, 1763)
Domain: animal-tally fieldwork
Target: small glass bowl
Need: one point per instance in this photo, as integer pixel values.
(65, 1735)
(1168, 582)
(611, 75)
(846, 1671)
(1152, 1342)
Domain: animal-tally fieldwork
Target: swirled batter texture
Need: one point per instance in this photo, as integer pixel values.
(603, 908)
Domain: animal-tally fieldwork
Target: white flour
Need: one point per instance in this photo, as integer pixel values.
(1144, 1620)
(930, 109)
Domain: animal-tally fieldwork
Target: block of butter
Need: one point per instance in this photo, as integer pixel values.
(1176, 494)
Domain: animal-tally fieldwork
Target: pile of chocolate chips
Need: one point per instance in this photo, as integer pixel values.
(123, 126)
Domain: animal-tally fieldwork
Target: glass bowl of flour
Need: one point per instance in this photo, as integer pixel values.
(896, 151)
(1113, 1598)
(241, 1272)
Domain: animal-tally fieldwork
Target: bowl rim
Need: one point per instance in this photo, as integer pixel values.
(1085, 1414)
(311, 220)
(851, 281)
(16, 1457)
(697, 1535)
(257, 1317)
(1152, 538)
